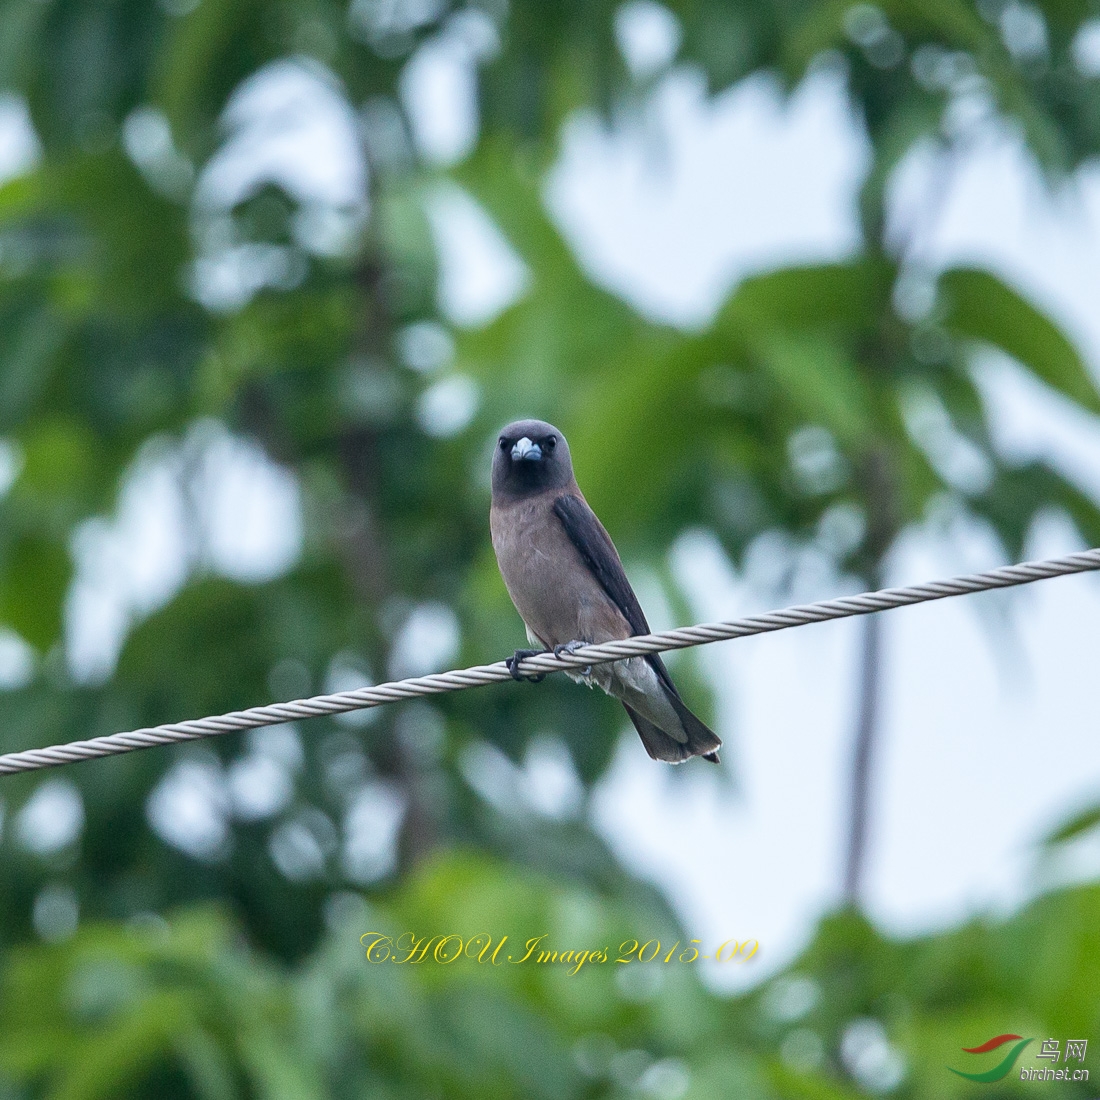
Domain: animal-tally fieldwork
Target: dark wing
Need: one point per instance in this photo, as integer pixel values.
(594, 545)
(597, 550)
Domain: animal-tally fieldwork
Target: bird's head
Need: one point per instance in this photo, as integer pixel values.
(530, 456)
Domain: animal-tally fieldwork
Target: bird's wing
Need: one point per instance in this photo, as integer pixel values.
(594, 545)
(598, 552)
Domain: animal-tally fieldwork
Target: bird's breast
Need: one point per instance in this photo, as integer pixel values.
(550, 584)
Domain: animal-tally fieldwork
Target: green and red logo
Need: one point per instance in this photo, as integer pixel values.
(1002, 1068)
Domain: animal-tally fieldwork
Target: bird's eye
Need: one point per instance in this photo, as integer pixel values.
(504, 444)
(551, 440)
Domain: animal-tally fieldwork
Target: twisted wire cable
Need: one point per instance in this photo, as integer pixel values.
(460, 679)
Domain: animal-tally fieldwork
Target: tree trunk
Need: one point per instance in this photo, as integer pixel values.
(863, 758)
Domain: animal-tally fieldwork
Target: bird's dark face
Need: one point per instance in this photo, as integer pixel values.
(531, 456)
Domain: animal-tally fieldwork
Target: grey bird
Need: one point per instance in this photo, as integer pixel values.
(566, 580)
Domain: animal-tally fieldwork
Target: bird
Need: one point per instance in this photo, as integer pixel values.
(568, 584)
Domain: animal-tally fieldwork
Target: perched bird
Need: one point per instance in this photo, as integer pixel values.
(565, 577)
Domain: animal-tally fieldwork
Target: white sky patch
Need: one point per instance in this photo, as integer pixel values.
(52, 817)
(11, 464)
(439, 93)
(296, 851)
(1031, 421)
(188, 808)
(870, 1057)
(425, 346)
(282, 743)
(648, 35)
(250, 508)
(228, 279)
(448, 406)
(438, 86)
(493, 776)
(371, 828)
(17, 661)
(1086, 48)
(214, 501)
(988, 737)
(259, 786)
(958, 461)
(676, 206)
(147, 139)
(288, 124)
(300, 846)
(344, 766)
(428, 639)
(383, 22)
(480, 273)
(19, 146)
(328, 230)
(548, 781)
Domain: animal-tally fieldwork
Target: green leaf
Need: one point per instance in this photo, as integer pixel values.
(982, 307)
(848, 297)
(32, 589)
(1082, 822)
(31, 334)
(218, 40)
(117, 1056)
(821, 381)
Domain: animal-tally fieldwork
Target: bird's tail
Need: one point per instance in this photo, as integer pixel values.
(701, 740)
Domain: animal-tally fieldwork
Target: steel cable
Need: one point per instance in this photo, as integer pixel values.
(460, 679)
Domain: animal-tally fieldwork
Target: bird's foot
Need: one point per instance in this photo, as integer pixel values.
(571, 648)
(513, 665)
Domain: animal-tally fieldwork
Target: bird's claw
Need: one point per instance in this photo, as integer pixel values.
(570, 648)
(513, 665)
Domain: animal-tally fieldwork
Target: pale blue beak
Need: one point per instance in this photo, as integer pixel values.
(525, 450)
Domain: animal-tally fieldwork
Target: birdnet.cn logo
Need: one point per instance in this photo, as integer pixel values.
(1050, 1052)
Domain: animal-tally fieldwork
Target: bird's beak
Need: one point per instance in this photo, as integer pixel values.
(526, 450)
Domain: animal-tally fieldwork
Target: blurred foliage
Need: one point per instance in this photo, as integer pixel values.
(139, 304)
(185, 1007)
